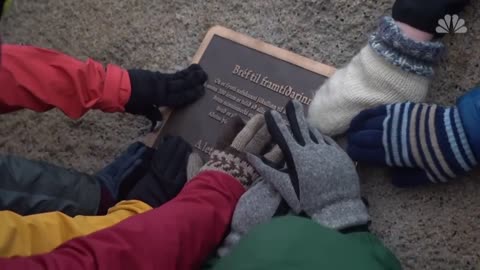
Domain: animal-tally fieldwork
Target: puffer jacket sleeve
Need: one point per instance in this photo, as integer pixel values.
(42, 233)
(40, 79)
(180, 234)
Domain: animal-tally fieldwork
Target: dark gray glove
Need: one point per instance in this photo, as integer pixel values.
(320, 178)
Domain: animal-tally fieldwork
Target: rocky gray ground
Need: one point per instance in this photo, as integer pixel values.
(428, 228)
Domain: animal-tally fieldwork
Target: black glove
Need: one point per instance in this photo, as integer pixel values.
(151, 90)
(123, 173)
(424, 14)
(167, 174)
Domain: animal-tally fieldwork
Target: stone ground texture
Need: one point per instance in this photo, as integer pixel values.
(435, 227)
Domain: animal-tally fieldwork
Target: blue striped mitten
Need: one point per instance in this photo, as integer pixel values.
(427, 141)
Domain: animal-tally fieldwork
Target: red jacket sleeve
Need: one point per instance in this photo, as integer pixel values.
(40, 79)
(181, 234)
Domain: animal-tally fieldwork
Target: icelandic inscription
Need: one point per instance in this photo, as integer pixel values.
(264, 81)
(243, 81)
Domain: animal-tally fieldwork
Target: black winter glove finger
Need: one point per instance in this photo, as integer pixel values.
(186, 86)
(151, 90)
(424, 15)
(167, 174)
(194, 75)
(184, 96)
(154, 115)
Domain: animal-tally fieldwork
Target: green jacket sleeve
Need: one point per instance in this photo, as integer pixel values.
(299, 243)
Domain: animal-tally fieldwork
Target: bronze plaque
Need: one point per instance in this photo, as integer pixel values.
(246, 77)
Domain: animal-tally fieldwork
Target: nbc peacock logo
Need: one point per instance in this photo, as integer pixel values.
(451, 24)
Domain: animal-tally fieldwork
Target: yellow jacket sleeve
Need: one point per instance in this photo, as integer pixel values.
(41, 233)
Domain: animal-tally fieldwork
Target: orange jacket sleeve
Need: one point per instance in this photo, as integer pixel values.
(40, 79)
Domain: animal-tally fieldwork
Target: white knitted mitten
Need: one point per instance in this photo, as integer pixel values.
(392, 68)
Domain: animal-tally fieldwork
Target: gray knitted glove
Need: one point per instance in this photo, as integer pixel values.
(253, 139)
(258, 205)
(320, 179)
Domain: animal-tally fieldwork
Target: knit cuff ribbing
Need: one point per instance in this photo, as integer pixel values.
(232, 164)
(410, 55)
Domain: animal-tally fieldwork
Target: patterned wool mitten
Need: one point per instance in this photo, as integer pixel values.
(320, 179)
(151, 90)
(253, 138)
(428, 141)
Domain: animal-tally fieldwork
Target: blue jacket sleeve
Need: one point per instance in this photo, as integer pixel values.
(469, 110)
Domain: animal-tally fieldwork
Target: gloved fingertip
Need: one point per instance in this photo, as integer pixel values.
(371, 139)
(350, 151)
(370, 156)
(194, 163)
(275, 165)
(195, 67)
(254, 160)
(198, 77)
(296, 107)
(200, 90)
(275, 155)
(409, 177)
(358, 121)
(186, 96)
(198, 68)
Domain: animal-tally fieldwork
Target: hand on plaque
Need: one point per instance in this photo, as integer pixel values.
(151, 90)
(320, 179)
(230, 155)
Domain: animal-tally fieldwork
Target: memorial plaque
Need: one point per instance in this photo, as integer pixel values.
(246, 77)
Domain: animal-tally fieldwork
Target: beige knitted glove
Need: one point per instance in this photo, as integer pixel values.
(392, 68)
(194, 164)
(254, 138)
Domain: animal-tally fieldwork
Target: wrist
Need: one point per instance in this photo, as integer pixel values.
(414, 33)
(418, 57)
(232, 164)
